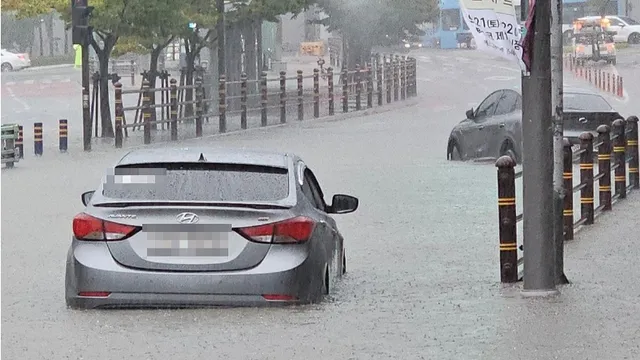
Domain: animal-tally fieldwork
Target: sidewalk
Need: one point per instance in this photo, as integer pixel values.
(597, 315)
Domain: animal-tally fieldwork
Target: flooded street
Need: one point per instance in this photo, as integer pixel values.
(422, 250)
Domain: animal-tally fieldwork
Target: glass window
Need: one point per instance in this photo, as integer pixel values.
(197, 182)
(488, 106)
(450, 19)
(308, 192)
(507, 103)
(585, 102)
(615, 22)
(629, 20)
(315, 188)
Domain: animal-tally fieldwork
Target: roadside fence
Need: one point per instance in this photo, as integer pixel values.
(184, 110)
(245, 103)
(617, 153)
(600, 78)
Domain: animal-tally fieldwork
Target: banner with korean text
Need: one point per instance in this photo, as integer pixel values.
(495, 27)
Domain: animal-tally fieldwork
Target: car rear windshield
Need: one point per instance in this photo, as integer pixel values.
(585, 102)
(197, 182)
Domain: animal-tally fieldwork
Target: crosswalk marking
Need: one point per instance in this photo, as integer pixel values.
(48, 81)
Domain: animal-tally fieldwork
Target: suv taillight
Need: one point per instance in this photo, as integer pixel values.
(87, 227)
(291, 231)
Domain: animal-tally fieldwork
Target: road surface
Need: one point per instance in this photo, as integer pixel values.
(423, 280)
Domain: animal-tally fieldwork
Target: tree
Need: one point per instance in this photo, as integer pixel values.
(151, 27)
(27, 9)
(31, 8)
(204, 15)
(368, 23)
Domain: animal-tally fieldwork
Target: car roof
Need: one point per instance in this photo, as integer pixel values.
(597, 17)
(567, 89)
(210, 154)
(577, 90)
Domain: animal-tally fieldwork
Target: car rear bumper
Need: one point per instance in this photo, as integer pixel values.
(284, 271)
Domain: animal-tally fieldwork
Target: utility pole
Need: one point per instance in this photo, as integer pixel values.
(539, 249)
(81, 35)
(557, 79)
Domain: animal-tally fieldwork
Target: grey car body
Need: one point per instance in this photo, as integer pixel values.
(495, 127)
(206, 191)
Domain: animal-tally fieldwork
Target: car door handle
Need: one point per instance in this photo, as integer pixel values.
(501, 125)
(480, 127)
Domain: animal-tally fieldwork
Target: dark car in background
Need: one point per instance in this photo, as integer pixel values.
(494, 128)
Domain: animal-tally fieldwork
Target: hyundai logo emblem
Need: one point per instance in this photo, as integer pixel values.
(187, 218)
(583, 120)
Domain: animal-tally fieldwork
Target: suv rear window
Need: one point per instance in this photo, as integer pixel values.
(197, 182)
(585, 102)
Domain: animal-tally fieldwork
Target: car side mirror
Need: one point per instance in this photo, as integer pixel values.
(86, 197)
(342, 204)
(470, 115)
(622, 25)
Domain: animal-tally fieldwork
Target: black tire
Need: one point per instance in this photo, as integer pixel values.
(634, 38)
(6, 67)
(325, 284)
(453, 151)
(9, 165)
(344, 262)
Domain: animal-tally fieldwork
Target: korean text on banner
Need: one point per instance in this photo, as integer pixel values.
(495, 27)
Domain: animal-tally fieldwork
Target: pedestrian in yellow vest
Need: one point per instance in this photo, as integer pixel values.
(78, 61)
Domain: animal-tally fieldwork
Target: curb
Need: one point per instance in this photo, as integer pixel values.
(45, 67)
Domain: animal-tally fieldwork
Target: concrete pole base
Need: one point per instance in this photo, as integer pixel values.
(539, 293)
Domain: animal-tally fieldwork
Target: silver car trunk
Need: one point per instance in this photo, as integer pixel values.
(208, 245)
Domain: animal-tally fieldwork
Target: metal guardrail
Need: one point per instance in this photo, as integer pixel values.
(617, 154)
(358, 89)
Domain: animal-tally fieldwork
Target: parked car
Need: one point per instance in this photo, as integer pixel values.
(197, 227)
(495, 127)
(626, 28)
(12, 61)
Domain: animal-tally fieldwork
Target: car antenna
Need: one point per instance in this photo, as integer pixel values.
(202, 157)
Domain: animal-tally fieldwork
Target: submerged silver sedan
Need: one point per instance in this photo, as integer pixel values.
(200, 227)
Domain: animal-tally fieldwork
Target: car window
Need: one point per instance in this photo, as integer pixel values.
(197, 182)
(615, 22)
(308, 192)
(318, 196)
(629, 20)
(518, 102)
(488, 106)
(585, 102)
(507, 103)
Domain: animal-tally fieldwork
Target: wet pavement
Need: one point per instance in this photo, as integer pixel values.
(423, 280)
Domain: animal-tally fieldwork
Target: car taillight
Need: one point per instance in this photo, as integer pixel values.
(580, 48)
(87, 227)
(21, 56)
(291, 231)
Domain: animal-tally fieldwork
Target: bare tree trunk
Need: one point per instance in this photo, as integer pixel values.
(104, 54)
(153, 77)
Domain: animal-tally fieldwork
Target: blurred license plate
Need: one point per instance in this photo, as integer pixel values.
(187, 244)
